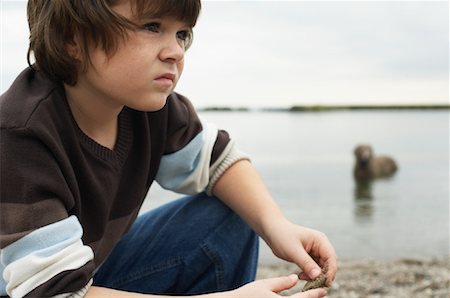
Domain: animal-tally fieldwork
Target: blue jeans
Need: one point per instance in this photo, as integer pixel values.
(193, 245)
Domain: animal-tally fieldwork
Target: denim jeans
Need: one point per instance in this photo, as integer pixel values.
(193, 245)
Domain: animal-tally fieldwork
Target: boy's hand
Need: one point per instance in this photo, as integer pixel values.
(270, 287)
(309, 249)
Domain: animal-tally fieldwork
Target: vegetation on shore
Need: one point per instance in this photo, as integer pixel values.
(322, 108)
(327, 108)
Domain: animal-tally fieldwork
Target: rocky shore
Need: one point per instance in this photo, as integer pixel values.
(409, 278)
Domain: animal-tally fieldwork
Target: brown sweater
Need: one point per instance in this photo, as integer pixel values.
(58, 184)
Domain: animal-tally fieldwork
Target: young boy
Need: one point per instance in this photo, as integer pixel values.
(84, 133)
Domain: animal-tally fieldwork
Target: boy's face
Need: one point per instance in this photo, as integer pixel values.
(145, 68)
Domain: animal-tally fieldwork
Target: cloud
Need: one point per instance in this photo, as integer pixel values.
(272, 53)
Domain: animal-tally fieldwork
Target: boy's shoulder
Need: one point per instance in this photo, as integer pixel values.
(25, 97)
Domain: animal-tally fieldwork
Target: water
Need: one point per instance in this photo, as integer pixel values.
(306, 159)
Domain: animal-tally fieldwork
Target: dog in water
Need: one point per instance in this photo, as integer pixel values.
(369, 167)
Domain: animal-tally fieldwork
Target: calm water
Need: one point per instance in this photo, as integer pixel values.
(306, 160)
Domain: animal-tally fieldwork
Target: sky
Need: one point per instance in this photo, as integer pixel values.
(282, 53)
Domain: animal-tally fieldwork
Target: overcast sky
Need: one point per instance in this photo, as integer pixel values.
(282, 53)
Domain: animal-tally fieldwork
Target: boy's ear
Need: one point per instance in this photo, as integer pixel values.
(73, 49)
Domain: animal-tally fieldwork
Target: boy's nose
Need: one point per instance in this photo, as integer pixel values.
(172, 50)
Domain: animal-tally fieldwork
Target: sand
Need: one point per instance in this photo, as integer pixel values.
(412, 277)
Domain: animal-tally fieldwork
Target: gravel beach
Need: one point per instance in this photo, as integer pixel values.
(411, 277)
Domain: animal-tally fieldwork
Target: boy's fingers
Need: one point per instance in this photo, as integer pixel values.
(303, 276)
(316, 293)
(278, 284)
(309, 266)
(331, 270)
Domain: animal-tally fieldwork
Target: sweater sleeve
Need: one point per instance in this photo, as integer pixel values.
(41, 248)
(197, 152)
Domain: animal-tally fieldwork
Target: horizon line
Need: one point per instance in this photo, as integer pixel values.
(329, 107)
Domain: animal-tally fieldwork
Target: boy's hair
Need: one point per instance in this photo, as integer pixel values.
(55, 24)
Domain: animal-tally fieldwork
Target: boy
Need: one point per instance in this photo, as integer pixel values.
(84, 133)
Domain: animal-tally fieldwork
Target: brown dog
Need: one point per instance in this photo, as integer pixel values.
(368, 166)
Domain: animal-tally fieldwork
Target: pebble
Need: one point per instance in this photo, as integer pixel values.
(409, 277)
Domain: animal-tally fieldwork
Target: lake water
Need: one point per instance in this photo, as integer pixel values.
(306, 159)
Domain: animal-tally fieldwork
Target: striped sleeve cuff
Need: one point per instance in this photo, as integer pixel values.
(187, 170)
(79, 294)
(51, 255)
(229, 156)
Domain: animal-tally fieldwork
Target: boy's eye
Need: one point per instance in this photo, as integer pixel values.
(185, 36)
(153, 27)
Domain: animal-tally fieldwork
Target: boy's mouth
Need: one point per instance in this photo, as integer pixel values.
(167, 76)
(166, 79)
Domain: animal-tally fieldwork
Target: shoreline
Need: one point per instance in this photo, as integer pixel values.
(328, 108)
(405, 277)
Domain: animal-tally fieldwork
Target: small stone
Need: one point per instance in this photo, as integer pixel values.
(318, 282)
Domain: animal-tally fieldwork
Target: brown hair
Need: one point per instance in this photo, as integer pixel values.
(55, 23)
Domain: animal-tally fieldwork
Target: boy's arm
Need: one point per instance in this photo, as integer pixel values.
(96, 292)
(106, 292)
(241, 188)
(260, 288)
(41, 246)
